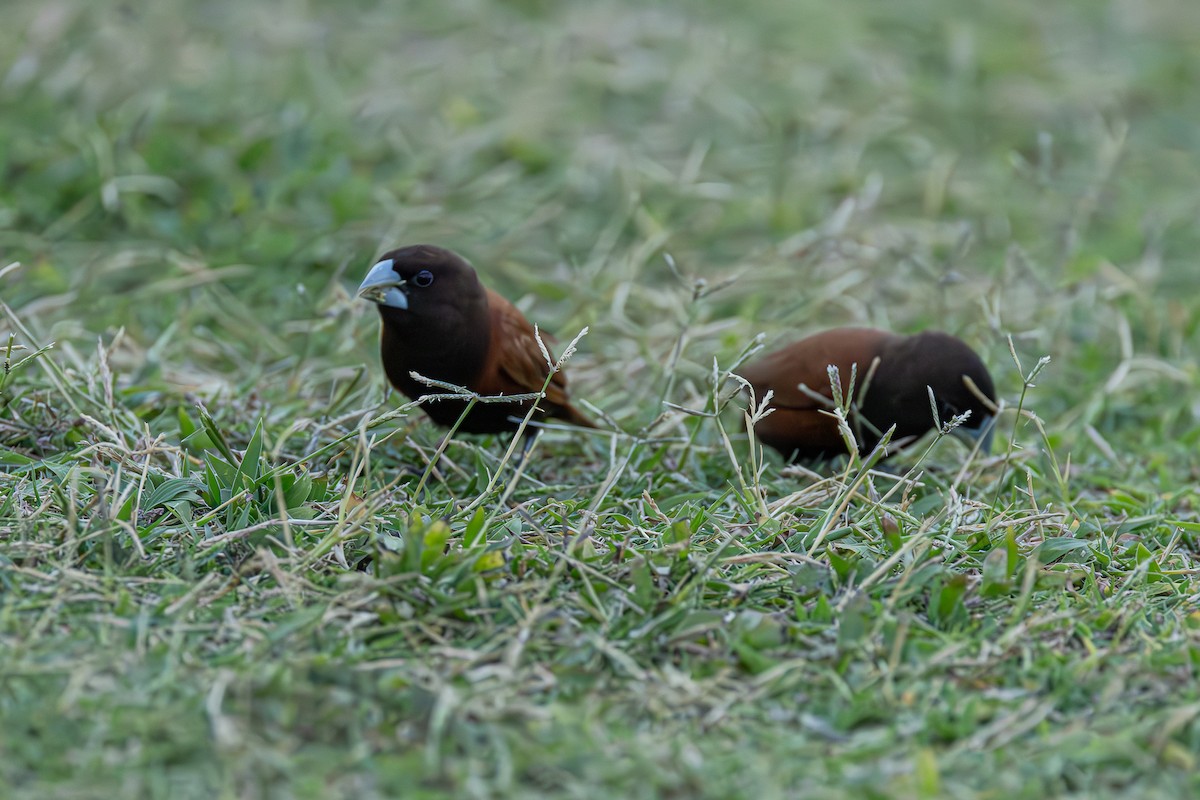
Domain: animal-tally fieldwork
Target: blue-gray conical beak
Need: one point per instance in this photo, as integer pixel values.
(384, 287)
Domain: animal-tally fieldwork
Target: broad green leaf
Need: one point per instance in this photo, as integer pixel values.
(1057, 547)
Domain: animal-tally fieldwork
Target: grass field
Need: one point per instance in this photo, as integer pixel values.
(225, 570)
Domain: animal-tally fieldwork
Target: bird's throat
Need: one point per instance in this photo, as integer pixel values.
(454, 354)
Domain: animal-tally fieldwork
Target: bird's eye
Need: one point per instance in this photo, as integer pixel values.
(423, 278)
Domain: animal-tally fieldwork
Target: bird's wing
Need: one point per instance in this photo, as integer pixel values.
(807, 362)
(798, 422)
(519, 365)
(808, 432)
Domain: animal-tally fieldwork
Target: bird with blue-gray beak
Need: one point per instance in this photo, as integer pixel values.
(894, 378)
(440, 322)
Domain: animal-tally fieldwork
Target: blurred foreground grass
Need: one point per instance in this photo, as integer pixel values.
(218, 578)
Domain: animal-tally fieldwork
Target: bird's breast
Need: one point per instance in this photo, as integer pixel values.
(445, 353)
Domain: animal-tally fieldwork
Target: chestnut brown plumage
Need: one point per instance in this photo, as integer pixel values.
(441, 322)
(896, 393)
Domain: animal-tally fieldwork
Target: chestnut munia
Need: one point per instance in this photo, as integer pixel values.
(895, 392)
(439, 321)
